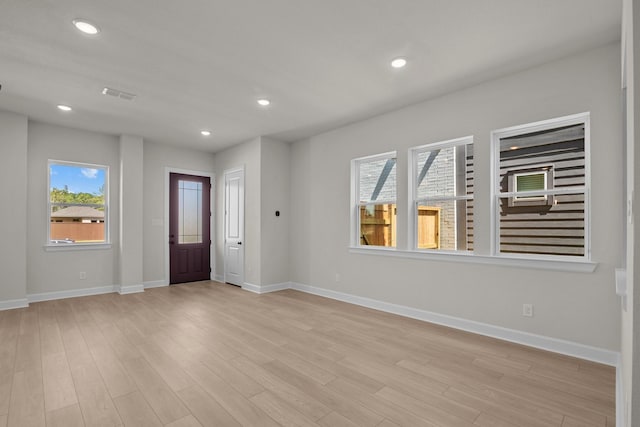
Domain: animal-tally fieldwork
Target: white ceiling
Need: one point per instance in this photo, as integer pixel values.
(201, 64)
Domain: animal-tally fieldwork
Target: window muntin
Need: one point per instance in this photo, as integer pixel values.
(551, 220)
(441, 206)
(77, 204)
(375, 200)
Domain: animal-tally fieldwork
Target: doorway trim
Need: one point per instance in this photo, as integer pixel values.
(212, 253)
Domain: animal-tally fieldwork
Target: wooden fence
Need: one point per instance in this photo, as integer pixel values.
(77, 231)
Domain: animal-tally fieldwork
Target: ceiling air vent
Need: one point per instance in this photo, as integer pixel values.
(118, 94)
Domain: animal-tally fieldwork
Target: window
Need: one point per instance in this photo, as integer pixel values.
(374, 200)
(441, 205)
(533, 179)
(77, 203)
(540, 186)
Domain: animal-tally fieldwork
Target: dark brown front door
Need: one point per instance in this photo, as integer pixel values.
(189, 228)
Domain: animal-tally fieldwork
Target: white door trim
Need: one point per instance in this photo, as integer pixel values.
(212, 253)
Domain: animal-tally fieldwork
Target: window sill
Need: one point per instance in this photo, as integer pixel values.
(572, 265)
(78, 247)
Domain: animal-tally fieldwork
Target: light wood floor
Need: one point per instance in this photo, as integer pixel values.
(212, 354)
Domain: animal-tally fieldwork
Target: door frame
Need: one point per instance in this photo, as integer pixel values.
(212, 253)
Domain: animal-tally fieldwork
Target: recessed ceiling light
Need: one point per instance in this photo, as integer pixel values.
(398, 62)
(264, 102)
(64, 107)
(205, 132)
(86, 27)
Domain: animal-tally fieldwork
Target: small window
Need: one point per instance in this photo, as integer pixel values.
(77, 203)
(374, 201)
(441, 191)
(540, 183)
(535, 179)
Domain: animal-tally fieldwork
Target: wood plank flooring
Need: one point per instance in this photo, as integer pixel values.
(210, 354)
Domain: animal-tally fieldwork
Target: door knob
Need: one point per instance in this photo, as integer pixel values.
(239, 243)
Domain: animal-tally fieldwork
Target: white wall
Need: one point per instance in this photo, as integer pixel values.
(577, 307)
(248, 156)
(157, 157)
(274, 196)
(13, 214)
(60, 270)
(300, 225)
(131, 207)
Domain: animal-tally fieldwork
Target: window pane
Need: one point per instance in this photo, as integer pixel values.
(76, 184)
(378, 225)
(530, 182)
(77, 224)
(436, 173)
(556, 229)
(377, 180)
(445, 172)
(189, 212)
(446, 225)
(560, 150)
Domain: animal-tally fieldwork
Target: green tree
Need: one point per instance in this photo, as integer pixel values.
(65, 196)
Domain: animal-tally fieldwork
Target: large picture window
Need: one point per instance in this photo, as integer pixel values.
(77, 203)
(441, 210)
(541, 188)
(374, 194)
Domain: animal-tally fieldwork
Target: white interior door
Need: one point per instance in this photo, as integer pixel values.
(234, 226)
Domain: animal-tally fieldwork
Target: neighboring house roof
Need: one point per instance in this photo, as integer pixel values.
(78, 212)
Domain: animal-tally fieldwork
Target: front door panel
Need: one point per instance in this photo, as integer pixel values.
(189, 228)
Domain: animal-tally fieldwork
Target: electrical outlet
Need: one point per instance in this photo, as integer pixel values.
(527, 310)
(83, 275)
(337, 277)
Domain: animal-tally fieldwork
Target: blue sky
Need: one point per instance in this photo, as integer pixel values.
(78, 179)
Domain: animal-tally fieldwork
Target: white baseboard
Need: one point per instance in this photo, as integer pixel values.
(264, 289)
(130, 289)
(155, 284)
(219, 278)
(72, 293)
(14, 303)
(251, 287)
(555, 345)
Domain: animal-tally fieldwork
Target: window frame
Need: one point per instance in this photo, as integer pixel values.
(356, 204)
(413, 200)
(107, 220)
(496, 194)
